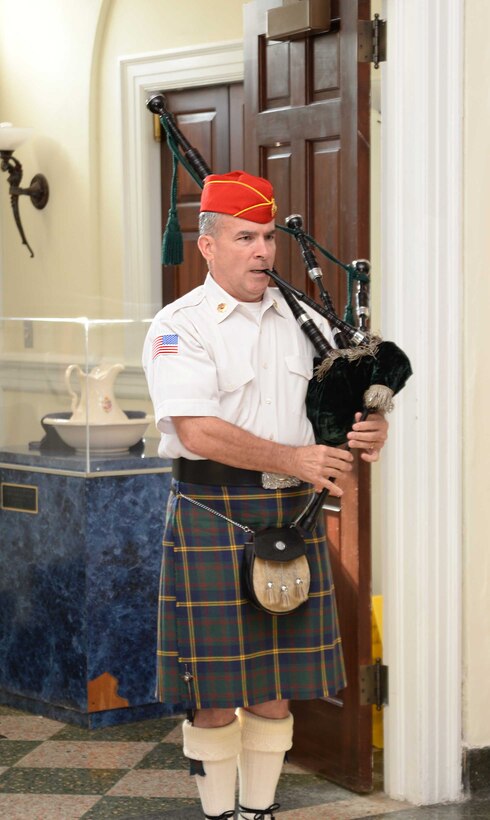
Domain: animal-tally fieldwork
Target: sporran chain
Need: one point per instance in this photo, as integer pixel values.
(214, 512)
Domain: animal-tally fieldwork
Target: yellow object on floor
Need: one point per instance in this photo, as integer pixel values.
(377, 650)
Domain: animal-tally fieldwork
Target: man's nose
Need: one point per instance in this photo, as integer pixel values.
(261, 247)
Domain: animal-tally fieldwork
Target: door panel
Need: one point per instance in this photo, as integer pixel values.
(307, 120)
(211, 119)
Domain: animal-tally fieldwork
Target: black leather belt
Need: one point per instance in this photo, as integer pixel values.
(212, 472)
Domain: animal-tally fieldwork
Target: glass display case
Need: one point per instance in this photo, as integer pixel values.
(82, 502)
(73, 391)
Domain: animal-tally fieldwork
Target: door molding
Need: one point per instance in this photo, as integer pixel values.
(422, 195)
(169, 69)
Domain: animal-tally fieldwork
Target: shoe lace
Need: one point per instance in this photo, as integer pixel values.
(260, 814)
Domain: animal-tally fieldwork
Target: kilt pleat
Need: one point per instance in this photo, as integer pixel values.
(231, 653)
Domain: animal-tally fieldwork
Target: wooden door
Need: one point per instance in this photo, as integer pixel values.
(307, 127)
(211, 119)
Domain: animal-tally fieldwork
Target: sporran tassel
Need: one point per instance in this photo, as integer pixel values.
(299, 590)
(284, 595)
(272, 592)
(269, 593)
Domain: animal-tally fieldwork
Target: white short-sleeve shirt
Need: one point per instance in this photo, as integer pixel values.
(208, 355)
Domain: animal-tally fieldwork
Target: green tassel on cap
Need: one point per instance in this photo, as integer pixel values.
(172, 243)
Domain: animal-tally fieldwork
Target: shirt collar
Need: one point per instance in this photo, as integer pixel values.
(222, 304)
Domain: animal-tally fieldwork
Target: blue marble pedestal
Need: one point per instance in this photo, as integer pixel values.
(79, 586)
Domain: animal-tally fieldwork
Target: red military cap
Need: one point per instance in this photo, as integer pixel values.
(239, 194)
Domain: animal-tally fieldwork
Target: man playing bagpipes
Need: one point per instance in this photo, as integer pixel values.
(228, 369)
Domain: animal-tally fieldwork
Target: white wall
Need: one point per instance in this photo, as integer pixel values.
(476, 440)
(46, 52)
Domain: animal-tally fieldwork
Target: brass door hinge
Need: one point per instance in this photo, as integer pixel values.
(373, 681)
(371, 41)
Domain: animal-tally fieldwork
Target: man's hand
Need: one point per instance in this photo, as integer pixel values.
(369, 435)
(321, 465)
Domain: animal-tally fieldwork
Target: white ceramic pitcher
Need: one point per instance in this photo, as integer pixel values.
(96, 403)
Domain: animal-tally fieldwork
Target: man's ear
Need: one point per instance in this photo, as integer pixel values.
(205, 244)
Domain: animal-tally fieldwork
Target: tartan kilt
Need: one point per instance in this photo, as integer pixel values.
(234, 654)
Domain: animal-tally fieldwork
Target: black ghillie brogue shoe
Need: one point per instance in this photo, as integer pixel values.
(259, 814)
(224, 816)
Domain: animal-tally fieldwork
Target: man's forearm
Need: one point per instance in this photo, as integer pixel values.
(218, 440)
(215, 439)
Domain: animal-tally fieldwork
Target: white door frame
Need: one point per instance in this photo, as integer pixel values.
(139, 75)
(421, 226)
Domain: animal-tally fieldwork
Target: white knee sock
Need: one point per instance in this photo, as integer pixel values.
(264, 743)
(218, 749)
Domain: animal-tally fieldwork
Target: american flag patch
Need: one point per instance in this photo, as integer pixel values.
(165, 344)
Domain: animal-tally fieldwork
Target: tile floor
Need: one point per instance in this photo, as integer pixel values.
(54, 771)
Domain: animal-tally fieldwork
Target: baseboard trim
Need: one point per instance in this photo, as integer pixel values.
(476, 770)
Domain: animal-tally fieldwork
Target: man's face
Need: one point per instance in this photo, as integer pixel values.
(238, 254)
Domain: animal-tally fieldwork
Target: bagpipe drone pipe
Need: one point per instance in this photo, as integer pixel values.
(361, 373)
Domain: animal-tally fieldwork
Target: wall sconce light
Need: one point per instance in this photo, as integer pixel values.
(38, 191)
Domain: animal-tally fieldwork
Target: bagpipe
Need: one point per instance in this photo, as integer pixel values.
(361, 373)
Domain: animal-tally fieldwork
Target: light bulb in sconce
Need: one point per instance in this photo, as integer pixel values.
(38, 192)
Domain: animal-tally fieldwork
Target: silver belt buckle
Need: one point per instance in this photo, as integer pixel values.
(276, 481)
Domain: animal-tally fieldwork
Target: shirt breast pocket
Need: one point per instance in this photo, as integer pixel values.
(300, 366)
(236, 377)
(299, 371)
